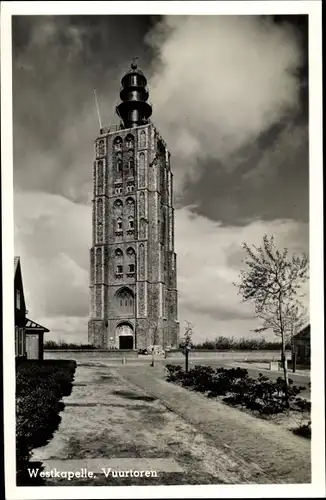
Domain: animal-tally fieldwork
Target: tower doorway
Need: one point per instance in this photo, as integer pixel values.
(126, 336)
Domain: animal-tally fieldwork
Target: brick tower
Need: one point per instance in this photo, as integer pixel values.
(133, 286)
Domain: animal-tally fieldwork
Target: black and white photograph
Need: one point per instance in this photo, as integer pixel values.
(162, 249)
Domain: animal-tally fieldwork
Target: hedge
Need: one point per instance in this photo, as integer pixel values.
(39, 387)
(238, 389)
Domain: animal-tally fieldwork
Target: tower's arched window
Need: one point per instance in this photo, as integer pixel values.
(142, 139)
(142, 260)
(100, 174)
(130, 203)
(99, 208)
(130, 209)
(118, 261)
(101, 147)
(119, 165)
(131, 167)
(163, 228)
(131, 222)
(130, 141)
(142, 204)
(117, 207)
(124, 301)
(100, 232)
(142, 169)
(117, 144)
(142, 228)
(98, 264)
(131, 260)
(119, 226)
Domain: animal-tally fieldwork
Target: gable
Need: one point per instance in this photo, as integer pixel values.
(304, 333)
(18, 282)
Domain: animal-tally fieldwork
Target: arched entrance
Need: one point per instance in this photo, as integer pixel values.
(126, 336)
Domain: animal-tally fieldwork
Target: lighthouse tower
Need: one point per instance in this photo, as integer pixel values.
(133, 285)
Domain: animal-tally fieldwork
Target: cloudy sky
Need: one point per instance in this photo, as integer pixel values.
(230, 97)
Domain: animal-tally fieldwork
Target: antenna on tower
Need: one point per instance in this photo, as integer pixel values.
(98, 110)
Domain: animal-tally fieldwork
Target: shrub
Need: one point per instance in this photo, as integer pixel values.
(262, 394)
(303, 430)
(175, 372)
(39, 388)
(245, 344)
(302, 404)
(199, 378)
(51, 344)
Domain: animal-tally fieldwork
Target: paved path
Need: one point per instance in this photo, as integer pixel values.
(126, 417)
(279, 453)
(109, 422)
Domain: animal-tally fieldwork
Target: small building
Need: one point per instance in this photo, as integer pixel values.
(34, 339)
(301, 346)
(20, 311)
(28, 333)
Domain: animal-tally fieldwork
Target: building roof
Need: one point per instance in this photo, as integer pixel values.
(16, 262)
(32, 325)
(304, 333)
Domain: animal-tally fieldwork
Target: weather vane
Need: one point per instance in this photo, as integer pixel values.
(134, 62)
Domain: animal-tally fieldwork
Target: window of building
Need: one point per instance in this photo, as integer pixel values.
(18, 303)
(100, 232)
(119, 269)
(117, 205)
(119, 224)
(131, 222)
(119, 165)
(99, 208)
(130, 203)
(142, 139)
(130, 141)
(100, 174)
(21, 342)
(124, 301)
(101, 147)
(117, 143)
(131, 166)
(131, 268)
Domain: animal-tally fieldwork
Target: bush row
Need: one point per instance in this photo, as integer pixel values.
(51, 344)
(230, 343)
(39, 388)
(237, 388)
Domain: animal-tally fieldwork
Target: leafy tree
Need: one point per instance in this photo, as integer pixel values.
(272, 281)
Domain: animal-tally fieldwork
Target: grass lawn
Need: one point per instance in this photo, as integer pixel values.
(40, 385)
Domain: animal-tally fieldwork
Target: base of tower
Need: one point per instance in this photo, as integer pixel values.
(133, 334)
(96, 333)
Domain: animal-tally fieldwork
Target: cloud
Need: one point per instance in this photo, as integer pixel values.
(219, 82)
(226, 98)
(209, 261)
(57, 62)
(53, 239)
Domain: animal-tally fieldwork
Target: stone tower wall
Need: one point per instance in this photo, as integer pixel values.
(133, 225)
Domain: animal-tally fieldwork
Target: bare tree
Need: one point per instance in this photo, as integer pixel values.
(273, 282)
(186, 343)
(153, 325)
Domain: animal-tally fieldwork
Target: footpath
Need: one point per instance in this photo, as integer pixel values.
(275, 451)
